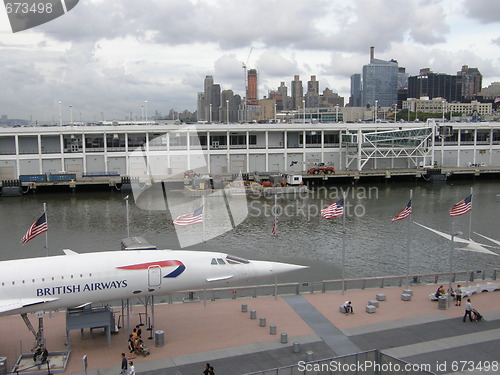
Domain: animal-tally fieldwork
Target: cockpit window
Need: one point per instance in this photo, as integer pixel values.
(220, 261)
(231, 259)
(214, 261)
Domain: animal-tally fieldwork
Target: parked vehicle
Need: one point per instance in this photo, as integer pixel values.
(325, 169)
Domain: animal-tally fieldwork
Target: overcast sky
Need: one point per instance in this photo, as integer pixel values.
(110, 56)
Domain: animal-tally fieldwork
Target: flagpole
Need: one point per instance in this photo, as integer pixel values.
(46, 232)
(275, 252)
(127, 215)
(343, 242)
(408, 250)
(467, 260)
(451, 260)
(203, 221)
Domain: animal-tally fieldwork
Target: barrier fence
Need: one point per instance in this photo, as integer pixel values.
(261, 290)
(372, 362)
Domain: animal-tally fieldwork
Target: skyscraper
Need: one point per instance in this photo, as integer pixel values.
(355, 99)
(206, 99)
(435, 85)
(216, 103)
(252, 94)
(297, 93)
(380, 82)
(313, 85)
(312, 95)
(472, 81)
(284, 94)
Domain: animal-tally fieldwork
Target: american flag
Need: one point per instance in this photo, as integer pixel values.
(334, 210)
(38, 227)
(192, 218)
(274, 229)
(404, 213)
(462, 207)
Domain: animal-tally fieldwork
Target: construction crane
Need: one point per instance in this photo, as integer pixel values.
(246, 84)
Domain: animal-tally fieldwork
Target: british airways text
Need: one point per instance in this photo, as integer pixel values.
(77, 288)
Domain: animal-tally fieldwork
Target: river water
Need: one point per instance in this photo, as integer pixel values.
(96, 221)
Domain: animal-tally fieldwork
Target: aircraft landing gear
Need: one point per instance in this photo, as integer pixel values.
(40, 356)
(40, 353)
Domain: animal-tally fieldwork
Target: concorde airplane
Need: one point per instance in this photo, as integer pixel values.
(71, 280)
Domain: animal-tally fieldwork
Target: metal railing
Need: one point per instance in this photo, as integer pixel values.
(371, 362)
(297, 288)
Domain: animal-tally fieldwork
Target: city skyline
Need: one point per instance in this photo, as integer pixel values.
(108, 58)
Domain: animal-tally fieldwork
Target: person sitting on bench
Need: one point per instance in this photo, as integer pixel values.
(348, 307)
(440, 292)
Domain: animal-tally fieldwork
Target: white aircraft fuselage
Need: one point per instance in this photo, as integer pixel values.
(50, 283)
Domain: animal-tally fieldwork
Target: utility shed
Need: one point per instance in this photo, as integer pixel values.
(90, 317)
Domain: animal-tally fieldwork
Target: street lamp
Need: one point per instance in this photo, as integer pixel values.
(304, 109)
(337, 113)
(210, 114)
(127, 213)
(146, 103)
(227, 110)
(395, 112)
(142, 112)
(443, 111)
(375, 116)
(71, 114)
(275, 106)
(60, 113)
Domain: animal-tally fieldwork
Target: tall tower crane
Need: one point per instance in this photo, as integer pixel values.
(246, 84)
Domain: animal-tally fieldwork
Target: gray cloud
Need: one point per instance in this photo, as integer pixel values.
(485, 11)
(110, 56)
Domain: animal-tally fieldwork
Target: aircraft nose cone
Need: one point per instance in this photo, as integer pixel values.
(277, 267)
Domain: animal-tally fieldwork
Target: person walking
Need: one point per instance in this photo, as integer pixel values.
(132, 368)
(138, 331)
(206, 370)
(458, 295)
(468, 310)
(124, 365)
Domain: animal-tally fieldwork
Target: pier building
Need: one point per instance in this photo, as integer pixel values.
(168, 149)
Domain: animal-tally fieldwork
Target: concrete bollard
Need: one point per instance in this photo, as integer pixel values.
(253, 314)
(159, 338)
(406, 297)
(370, 309)
(262, 322)
(408, 291)
(309, 356)
(272, 329)
(296, 347)
(244, 308)
(284, 338)
(442, 303)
